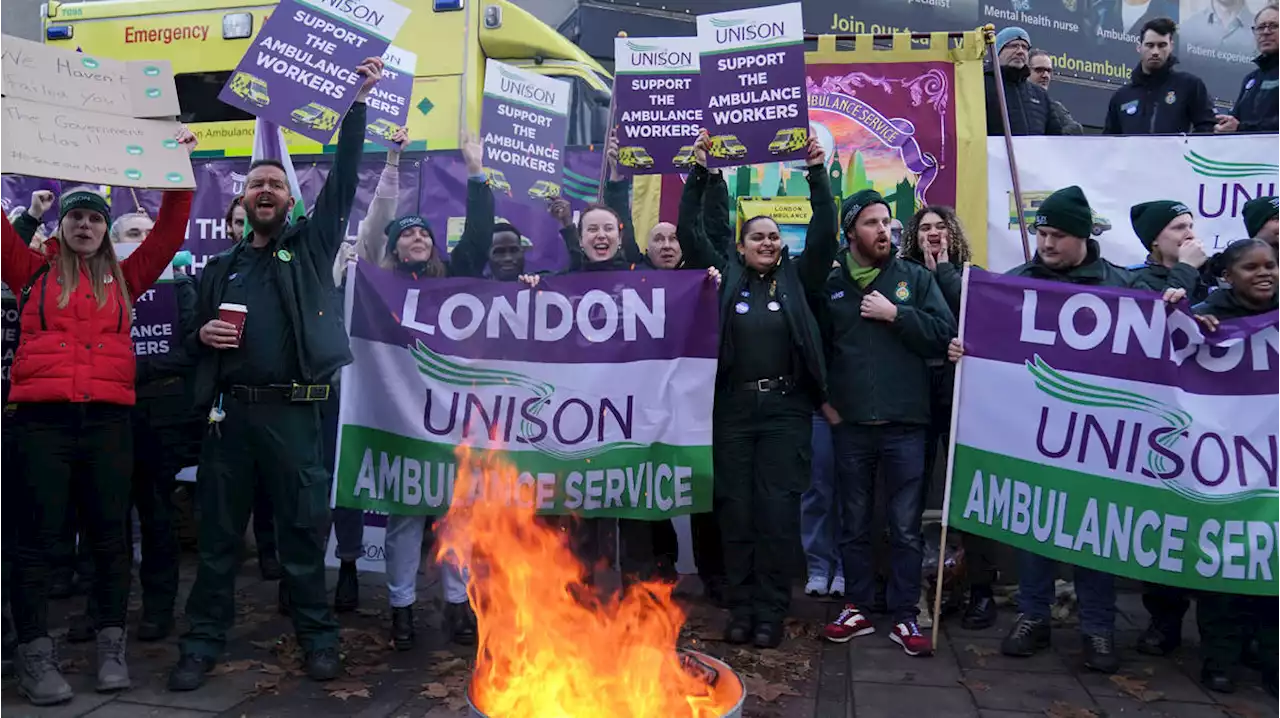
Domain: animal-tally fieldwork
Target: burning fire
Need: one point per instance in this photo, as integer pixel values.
(548, 645)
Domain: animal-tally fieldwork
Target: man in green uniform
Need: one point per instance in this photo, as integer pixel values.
(265, 383)
(1175, 256)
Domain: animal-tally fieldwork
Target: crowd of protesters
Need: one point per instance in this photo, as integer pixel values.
(835, 374)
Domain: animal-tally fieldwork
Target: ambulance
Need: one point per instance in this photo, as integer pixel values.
(205, 39)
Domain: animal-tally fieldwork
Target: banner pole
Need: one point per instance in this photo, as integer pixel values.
(951, 459)
(989, 33)
(604, 160)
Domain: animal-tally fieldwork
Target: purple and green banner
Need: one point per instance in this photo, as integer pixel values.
(300, 70)
(155, 329)
(1125, 439)
(388, 101)
(524, 121)
(657, 103)
(753, 85)
(596, 388)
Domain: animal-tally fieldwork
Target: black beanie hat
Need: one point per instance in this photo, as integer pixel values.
(397, 226)
(1067, 210)
(83, 199)
(1150, 218)
(857, 202)
(1256, 213)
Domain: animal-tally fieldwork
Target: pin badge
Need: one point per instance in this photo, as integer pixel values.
(284, 255)
(774, 306)
(745, 294)
(741, 307)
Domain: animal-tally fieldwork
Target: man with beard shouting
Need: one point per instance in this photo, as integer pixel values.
(264, 382)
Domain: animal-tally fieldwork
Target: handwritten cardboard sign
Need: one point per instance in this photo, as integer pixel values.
(71, 116)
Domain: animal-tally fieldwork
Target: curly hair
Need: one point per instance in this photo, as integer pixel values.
(958, 251)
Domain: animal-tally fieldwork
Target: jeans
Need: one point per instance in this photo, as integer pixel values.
(1095, 592)
(896, 451)
(404, 558)
(81, 453)
(819, 511)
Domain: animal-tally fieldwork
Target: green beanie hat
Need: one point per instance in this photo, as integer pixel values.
(857, 202)
(1256, 213)
(1067, 210)
(84, 200)
(1150, 218)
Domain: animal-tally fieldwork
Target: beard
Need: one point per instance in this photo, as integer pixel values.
(270, 225)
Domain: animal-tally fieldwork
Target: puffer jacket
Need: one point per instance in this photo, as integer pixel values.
(1258, 105)
(83, 352)
(1028, 104)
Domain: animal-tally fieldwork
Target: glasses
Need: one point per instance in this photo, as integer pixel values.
(1265, 28)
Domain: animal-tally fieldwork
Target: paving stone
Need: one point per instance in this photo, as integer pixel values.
(1156, 674)
(1005, 618)
(888, 664)
(983, 713)
(1031, 692)
(877, 700)
(118, 709)
(984, 653)
(218, 694)
(85, 700)
(1120, 707)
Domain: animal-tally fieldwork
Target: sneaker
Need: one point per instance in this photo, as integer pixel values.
(323, 664)
(1027, 636)
(914, 643)
(462, 623)
(190, 673)
(837, 587)
(980, 613)
(849, 624)
(346, 597)
(113, 672)
(402, 633)
(1157, 641)
(816, 586)
(39, 680)
(1100, 653)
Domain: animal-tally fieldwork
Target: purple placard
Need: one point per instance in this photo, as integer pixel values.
(388, 101)
(524, 120)
(155, 321)
(657, 103)
(680, 306)
(300, 71)
(1016, 320)
(753, 85)
(16, 191)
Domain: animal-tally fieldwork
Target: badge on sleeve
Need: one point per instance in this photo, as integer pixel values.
(284, 255)
(741, 307)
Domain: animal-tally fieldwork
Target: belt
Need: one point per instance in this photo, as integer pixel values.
(783, 383)
(279, 393)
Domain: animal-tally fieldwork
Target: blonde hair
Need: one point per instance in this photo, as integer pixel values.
(100, 265)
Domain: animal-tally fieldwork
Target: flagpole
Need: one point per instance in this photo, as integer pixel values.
(604, 161)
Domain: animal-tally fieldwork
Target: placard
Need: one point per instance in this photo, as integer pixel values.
(524, 120)
(388, 100)
(657, 103)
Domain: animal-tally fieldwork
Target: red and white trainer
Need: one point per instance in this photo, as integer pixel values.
(914, 643)
(849, 624)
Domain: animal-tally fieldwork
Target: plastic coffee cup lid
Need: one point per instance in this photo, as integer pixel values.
(234, 307)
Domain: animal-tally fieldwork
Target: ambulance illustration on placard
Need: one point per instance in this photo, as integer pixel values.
(727, 147)
(250, 89)
(544, 189)
(635, 158)
(383, 128)
(788, 140)
(684, 158)
(316, 116)
(498, 181)
(1031, 200)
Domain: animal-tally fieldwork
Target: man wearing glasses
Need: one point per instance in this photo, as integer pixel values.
(1256, 107)
(1041, 64)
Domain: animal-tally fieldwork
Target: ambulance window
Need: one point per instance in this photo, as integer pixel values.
(588, 113)
(198, 98)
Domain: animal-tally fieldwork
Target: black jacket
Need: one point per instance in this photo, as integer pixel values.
(1093, 271)
(800, 279)
(1158, 278)
(1223, 304)
(879, 371)
(1028, 103)
(1256, 107)
(714, 219)
(306, 280)
(1166, 102)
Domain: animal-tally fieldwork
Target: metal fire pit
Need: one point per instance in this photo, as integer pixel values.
(728, 682)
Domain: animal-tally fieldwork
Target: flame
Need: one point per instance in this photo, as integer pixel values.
(548, 645)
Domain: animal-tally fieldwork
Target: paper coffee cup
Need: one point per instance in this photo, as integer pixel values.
(234, 314)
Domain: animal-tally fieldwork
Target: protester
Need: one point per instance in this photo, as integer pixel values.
(1026, 103)
(506, 253)
(1258, 104)
(935, 238)
(821, 520)
(1260, 219)
(411, 250)
(1226, 620)
(1041, 64)
(1159, 100)
(262, 381)
(771, 376)
(73, 383)
(1174, 255)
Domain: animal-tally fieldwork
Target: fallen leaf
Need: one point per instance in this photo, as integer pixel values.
(223, 669)
(343, 690)
(1062, 709)
(442, 655)
(270, 685)
(343, 695)
(272, 669)
(367, 670)
(765, 690)
(1149, 671)
(974, 685)
(456, 703)
(979, 651)
(1136, 689)
(435, 690)
(449, 666)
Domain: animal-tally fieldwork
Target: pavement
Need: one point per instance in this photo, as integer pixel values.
(869, 677)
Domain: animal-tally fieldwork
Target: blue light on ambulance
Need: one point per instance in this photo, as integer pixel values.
(58, 32)
(446, 5)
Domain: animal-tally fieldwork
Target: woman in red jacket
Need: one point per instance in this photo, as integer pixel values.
(72, 381)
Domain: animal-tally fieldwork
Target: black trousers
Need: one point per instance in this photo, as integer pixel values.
(1227, 621)
(646, 546)
(762, 453)
(154, 469)
(708, 549)
(80, 453)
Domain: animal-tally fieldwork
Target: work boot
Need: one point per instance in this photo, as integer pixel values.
(1027, 636)
(1100, 653)
(190, 672)
(1158, 640)
(980, 613)
(402, 635)
(39, 680)
(323, 664)
(462, 623)
(738, 631)
(270, 567)
(113, 672)
(83, 628)
(154, 626)
(767, 634)
(346, 597)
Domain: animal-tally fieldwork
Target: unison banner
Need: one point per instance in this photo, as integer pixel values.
(1123, 439)
(596, 387)
(1214, 175)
